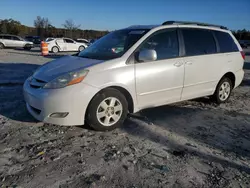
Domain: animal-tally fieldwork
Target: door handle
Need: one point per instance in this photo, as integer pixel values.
(188, 63)
(178, 64)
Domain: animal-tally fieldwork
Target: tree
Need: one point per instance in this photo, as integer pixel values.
(10, 26)
(71, 26)
(42, 26)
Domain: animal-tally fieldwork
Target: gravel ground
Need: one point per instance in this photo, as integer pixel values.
(190, 144)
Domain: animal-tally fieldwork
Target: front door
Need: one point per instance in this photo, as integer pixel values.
(17, 42)
(71, 45)
(160, 82)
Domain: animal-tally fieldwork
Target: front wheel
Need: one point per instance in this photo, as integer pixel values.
(223, 90)
(107, 110)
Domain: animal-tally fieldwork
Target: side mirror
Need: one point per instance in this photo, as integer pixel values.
(147, 55)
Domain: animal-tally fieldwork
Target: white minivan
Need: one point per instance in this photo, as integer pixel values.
(136, 68)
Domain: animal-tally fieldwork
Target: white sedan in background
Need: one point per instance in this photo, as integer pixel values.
(65, 45)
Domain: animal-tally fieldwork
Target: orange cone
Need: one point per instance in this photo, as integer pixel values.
(44, 48)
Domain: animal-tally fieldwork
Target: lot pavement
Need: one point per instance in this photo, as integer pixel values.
(190, 144)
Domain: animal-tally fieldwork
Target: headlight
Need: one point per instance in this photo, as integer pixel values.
(67, 79)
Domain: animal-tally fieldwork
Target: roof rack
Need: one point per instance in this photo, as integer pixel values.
(193, 23)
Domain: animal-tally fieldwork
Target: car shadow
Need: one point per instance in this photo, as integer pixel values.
(246, 66)
(12, 77)
(223, 132)
(24, 53)
(37, 49)
(55, 56)
(245, 82)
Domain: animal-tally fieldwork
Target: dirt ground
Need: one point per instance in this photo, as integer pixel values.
(190, 144)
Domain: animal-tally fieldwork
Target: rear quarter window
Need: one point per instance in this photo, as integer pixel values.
(198, 42)
(226, 42)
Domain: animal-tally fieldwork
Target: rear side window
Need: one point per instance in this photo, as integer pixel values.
(226, 42)
(198, 42)
(7, 37)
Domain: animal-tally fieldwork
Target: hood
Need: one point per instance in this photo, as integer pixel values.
(58, 67)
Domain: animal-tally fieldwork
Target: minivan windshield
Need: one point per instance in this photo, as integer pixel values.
(113, 45)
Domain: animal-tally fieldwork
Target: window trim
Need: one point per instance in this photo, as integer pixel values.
(217, 42)
(183, 41)
(132, 56)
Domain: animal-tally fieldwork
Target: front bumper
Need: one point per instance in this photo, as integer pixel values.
(74, 100)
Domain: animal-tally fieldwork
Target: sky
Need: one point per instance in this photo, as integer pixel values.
(116, 14)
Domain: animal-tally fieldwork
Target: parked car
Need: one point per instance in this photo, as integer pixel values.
(85, 41)
(157, 65)
(92, 41)
(35, 39)
(65, 44)
(49, 39)
(13, 41)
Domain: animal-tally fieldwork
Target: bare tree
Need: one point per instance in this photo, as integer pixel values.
(42, 25)
(71, 26)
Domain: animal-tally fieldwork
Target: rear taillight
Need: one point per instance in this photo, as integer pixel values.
(243, 55)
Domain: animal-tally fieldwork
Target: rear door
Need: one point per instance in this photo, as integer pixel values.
(7, 40)
(71, 45)
(61, 44)
(202, 63)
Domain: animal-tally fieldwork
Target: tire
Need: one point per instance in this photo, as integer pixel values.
(55, 49)
(222, 95)
(81, 48)
(110, 116)
(1, 46)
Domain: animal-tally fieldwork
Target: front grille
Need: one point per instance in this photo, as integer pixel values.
(36, 83)
(37, 111)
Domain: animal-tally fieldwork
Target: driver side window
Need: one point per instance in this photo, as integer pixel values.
(164, 42)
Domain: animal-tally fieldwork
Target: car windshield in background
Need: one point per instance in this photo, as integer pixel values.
(113, 45)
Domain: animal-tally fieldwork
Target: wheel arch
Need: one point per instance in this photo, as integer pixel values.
(2, 43)
(127, 95)
(229, 75)
(125, 92)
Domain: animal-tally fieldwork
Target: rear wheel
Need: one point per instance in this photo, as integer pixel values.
(1, 46)
(107, 110)
(55, 49)
(223, 90)
(81, 48)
